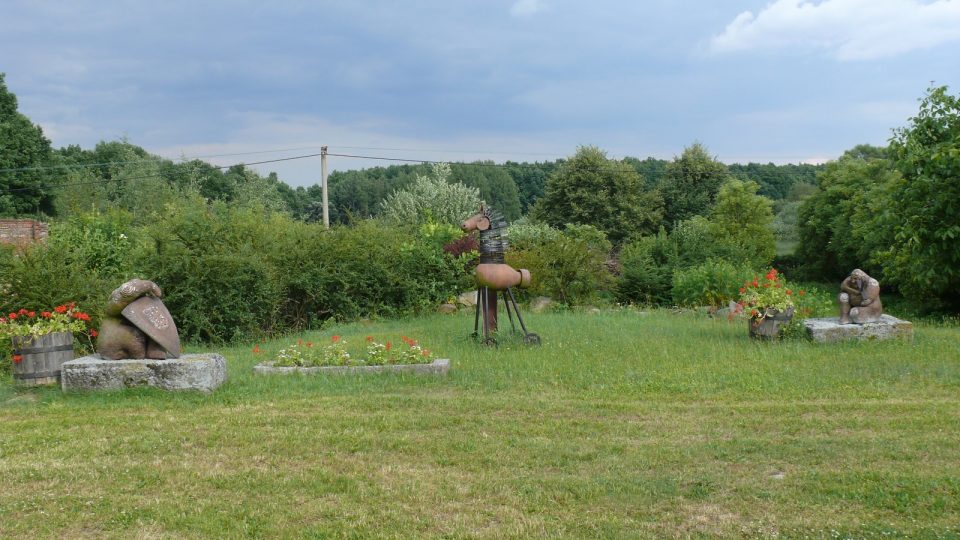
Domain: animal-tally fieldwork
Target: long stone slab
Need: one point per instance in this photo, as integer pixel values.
(829, 330)
(438, 367)
(203, 372)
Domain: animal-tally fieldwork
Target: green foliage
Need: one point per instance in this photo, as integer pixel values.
(776, 181)
(924, 256)
(98, 242)
(647, 270)
(740, 224)
(690, 184)
(208, 259)
(590, 189)
(22, 146)
(569, 266)
(713, 283)
(431, 198)
(495, 185)
(530, 179)
(837, 226)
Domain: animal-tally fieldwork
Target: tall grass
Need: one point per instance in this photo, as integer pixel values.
(622, 424)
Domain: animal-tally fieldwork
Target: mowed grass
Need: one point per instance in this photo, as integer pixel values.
(622, 424)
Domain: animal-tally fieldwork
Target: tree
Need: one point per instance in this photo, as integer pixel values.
(431, 198)
(690, 184)
(496, 186)
(835, 223)
(23, 188)
(924, 257)
(741, 222)
(590, 189)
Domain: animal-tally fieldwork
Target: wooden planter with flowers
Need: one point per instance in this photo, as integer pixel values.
(42, 342)
(770, 302)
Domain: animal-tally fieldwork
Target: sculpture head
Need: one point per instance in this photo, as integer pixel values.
(477, 222)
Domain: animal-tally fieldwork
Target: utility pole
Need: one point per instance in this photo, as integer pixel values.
(323, 184)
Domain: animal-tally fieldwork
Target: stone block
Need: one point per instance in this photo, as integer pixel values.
(438, 367)
(203, 372)
(829, 330)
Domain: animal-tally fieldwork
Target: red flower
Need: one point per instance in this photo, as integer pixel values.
(754, 283)
(60, 309)
(426, 352)
(801, 293)
(766, 285)
(46, 314)
(83, 316)
(94, 333)
(789, 291)
(742, 290)
(388, 345)
(12, 316)
(31, 314)
(336, 339)
(369, 339)
(256, 349)
(772, 274)
(17, 359)
(22, 311)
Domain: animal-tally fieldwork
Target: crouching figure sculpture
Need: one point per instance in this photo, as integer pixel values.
(137, 325)
(493, 275)
(859, 299)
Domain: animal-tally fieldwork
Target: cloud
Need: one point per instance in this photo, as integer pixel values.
(845, 29)
(526, 8)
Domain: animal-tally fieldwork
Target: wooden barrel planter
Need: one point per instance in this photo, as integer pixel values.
(770, 325)
(41, 358)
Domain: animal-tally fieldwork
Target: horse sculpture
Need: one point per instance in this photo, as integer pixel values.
(493, 275)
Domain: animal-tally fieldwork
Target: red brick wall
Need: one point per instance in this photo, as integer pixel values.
(22, 231)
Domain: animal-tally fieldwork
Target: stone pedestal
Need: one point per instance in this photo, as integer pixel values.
(829, 330)
(203, 372)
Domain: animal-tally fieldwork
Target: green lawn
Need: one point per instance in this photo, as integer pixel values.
(623, 424)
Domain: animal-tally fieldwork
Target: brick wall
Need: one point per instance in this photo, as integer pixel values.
(22, 231)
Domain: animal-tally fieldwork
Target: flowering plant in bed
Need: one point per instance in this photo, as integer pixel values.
(337, 353)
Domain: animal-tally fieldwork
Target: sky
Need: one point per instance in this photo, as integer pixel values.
(785, 81)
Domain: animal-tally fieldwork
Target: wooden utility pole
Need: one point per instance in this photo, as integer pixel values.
(323, 185)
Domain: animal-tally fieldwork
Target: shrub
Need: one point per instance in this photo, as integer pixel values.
(570, 267)
(713, 283)
(647, 270)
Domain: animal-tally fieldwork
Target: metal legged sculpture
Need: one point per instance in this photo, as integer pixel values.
(493, 275)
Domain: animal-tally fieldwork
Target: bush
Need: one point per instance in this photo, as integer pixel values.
(647, 270)
(569, 266)
(713, 283)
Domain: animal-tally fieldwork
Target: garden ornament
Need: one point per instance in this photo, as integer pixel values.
(493, 275)
(137, 325)
(859, 299)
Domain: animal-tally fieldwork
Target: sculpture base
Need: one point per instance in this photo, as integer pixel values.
(438, 367)
(203, 372)
(829, 330)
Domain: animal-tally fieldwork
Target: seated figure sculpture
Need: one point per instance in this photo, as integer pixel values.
(136, 324)
(859, 299)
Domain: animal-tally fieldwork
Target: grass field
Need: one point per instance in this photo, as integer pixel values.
(622, 424)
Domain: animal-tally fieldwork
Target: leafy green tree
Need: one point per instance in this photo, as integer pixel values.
(836, 223)
(23, 189)
(590, 189)
(431, 198)
(496, 186)
(530, 178)
(924, 257)
(741, 223)
(690, 184)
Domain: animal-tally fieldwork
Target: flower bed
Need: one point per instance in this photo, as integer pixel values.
(335, 357)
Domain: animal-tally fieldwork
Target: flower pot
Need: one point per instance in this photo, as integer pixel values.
(768, 326)
(41, 358)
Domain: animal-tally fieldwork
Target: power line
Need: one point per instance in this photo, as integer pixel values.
(152, 175)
